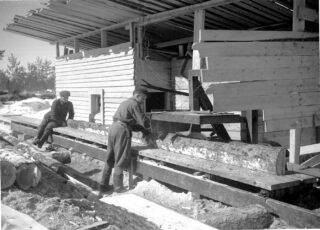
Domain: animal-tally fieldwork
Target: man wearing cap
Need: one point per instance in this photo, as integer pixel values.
(128, 117)
(56, 117)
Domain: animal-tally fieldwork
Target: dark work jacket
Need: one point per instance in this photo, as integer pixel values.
(130, 113)
(59, 111)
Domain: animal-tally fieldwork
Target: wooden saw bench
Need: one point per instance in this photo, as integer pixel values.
(226, 184)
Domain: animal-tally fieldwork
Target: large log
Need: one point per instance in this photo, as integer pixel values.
(8, 174)
(27, 173)
(251, 156)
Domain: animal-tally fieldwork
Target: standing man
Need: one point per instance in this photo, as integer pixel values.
(129, 117)
(56, 117)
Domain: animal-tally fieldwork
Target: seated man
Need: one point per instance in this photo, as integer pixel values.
(56, 117)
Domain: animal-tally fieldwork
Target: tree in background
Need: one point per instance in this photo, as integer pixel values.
(16, 74)
(40, 75)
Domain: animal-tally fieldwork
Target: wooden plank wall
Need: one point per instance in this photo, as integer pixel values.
(110, 69)
(154, 72)
(277, 77)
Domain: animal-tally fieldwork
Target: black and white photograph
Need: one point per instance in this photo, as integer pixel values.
(159, 114)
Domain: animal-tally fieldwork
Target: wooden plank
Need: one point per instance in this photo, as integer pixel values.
(242, 175)
(252, 62)
(92, 63)
(290, 123)
(308, 14)
(295, 140)
(275, 48)
(94, 78)
(222, 74)
(297, 23)
(106, 75)
(222, 104)
(82, 134)
(160, 216)
(104, 38)
(247, 35)
(198, 25)
(293, 215)
(13, 219)
(314, 148)
(297, 111)
(211, 189)
(103, 84)
(153, 18)
(313, 161)
(272, 87)
(96, 226)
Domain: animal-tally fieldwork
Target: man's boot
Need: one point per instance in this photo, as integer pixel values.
(118, 182)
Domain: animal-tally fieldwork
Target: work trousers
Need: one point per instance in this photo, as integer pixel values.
(118, 152)
(45, 129)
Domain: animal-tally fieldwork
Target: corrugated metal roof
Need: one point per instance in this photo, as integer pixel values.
(65, 18)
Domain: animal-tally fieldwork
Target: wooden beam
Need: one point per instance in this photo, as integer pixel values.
(162, 16)
(295, 140)
(104, 39)
(298, 24)
(174, 42)
(199, 22)
(57, 50)
(76, 45)
(299, 217)
(308, 14)
(140, 42)
(246, 35)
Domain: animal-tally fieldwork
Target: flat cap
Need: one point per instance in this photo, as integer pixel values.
(65, 93)
(140, 90)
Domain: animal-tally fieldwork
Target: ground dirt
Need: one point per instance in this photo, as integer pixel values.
(60, 204)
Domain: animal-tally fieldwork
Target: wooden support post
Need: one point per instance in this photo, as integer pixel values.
(104, 38)
(102, 107)
(199, 21)
(181, 51)
(132, 33)
(57, 50)
(193, 95)
(295, 139)
(298, 24)
(76, 45)
(65, 51)
(140, 42)
(252, 120)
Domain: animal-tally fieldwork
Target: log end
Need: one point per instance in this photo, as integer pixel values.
(8, 174)
(28, 175)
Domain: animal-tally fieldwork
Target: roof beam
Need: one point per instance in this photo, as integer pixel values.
(154, 18)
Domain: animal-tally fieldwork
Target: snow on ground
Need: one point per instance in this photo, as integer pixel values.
(31, 107)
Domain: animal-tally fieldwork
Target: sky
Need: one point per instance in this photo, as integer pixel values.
(26, 49)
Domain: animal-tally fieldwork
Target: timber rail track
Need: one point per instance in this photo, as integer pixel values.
(235, 188)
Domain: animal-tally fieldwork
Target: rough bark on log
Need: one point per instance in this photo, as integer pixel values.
(27, 173)
(251, 156)
(249, 217)
(8, 174)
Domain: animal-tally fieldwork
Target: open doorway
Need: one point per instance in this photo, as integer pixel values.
(155, 101)
(96, 106)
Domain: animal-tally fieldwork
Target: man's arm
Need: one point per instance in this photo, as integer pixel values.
(54, 110)
(142, 123)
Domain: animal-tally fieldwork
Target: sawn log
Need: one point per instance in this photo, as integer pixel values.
(27, 174)
(251, 156)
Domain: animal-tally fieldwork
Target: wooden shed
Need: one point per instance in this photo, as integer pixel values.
(258, 57)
